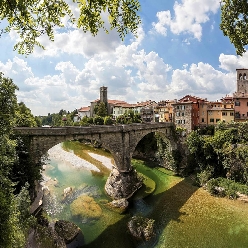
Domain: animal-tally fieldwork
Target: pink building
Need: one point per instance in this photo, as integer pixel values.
(241, 96)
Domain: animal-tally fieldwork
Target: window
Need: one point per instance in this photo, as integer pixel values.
(177, 107)
(224, 113)
(183, 107)
(183, 121)
(211, 119)
(178, 114)
(231, 114)
(247, 104)
(217, 120)
(202, 119)
(182, 113)
(202, 112)
(237, 103)
(231, 106)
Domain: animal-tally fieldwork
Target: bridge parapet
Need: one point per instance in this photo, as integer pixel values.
(37, 131)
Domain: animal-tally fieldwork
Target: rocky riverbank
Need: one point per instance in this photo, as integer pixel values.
(57, 152)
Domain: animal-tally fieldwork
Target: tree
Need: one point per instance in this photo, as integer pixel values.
(24, 117)
(234, 23)
(108, 120)
(15, 219)
(101, 109)
(34, 18)
(98, 120)
(8, 106)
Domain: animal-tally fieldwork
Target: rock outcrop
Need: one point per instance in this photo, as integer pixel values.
(119, 206)
(69, 231)
(122, 184)
(141, 228)
(61, 234)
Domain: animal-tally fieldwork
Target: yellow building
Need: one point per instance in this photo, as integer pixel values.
(165, 111)
(203, 113)
(220, 111)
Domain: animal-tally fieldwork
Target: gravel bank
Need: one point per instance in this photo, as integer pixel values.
(57, 152)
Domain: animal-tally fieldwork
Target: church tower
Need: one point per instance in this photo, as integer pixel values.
(242, 81)
(103, 94)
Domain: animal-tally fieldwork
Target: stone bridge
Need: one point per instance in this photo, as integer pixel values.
(120, 140)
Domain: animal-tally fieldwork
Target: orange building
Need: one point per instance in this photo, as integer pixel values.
(165, 111)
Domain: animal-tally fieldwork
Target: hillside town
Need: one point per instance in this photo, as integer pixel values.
(188, 112)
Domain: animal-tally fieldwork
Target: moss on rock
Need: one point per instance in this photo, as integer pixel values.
(86, 207)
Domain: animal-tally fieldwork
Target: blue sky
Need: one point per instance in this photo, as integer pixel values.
(179, 50)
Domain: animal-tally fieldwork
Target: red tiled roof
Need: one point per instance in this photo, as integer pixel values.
(84, 109)
(125, 105)
(116, 101)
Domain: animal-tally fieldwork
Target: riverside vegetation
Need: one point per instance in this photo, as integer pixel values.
(217, 157)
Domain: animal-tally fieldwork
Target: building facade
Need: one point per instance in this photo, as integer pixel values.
(241, 96)
(187, 112)
(165, 110)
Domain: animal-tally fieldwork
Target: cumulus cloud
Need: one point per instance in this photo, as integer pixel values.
(203, 80)
(189, 15)
(232, 62)
(77, 42)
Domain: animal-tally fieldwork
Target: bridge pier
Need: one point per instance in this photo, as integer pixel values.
(122, 184)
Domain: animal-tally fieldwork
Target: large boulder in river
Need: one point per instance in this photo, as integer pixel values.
(67, 191)
(119, 206)
(122, 184)
(141, 228)
(68, 231)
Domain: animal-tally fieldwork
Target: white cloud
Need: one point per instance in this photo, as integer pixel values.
(232, 62)
(202, 80)
(78, 42)
(188, 17)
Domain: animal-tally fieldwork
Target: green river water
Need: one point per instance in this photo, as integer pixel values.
(185, 216)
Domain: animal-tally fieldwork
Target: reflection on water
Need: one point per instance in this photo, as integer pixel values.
(184, 215)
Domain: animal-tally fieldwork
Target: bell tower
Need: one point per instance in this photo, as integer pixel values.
(103, 94)
(242, 81)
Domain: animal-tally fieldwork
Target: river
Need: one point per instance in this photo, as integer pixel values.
(185, 215)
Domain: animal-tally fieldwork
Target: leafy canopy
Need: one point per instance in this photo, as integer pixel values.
(34, 18)
(234, 23)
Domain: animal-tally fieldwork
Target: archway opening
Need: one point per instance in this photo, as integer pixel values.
(156, 149)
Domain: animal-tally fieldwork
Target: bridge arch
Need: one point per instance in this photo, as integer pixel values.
(164, 134)
(120, 140)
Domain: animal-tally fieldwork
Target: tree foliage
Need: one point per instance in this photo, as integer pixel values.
(101, 109)
(223, 154)
(34, 18)
(14, 208)
(24, 117)
(129, 118)
(234, 23)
